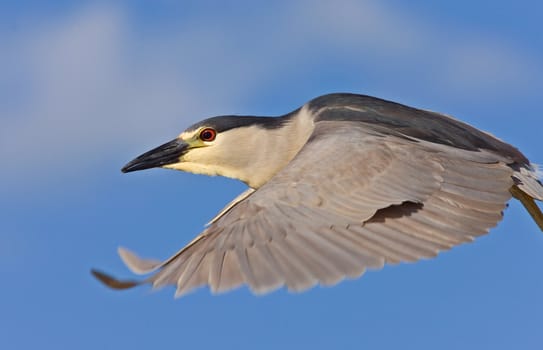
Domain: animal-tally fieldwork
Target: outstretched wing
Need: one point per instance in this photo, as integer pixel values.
(352, 199)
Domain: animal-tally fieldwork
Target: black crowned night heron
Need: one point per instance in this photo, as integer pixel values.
(344, 183)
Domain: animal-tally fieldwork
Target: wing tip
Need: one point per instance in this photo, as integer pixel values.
(113, 282)
(136, 264)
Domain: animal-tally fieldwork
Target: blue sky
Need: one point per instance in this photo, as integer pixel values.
(86, 86)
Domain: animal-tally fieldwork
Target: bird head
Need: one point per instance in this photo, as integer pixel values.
(250, 149)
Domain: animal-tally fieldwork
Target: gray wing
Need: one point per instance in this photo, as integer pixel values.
(352, 199)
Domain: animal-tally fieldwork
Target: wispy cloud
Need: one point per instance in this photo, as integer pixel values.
(459, 61)
(81, 93)
(86, 83)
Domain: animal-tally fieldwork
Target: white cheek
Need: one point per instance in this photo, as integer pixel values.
(204, 160)
(201, 155)
(193, 168)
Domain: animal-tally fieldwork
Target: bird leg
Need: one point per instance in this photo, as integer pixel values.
(530, 205)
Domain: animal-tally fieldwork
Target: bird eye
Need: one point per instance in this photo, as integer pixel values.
(208, 135)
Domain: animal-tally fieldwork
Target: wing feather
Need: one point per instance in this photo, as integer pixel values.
(231, 274)
(298, 276)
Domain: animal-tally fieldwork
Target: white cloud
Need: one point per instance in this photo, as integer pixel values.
(478, 66)
(459, 61)
(85, 83)
(83, 94)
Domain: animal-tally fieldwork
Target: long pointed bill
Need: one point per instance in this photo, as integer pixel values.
(165, 154)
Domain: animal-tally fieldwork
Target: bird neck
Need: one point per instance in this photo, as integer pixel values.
(270, 150)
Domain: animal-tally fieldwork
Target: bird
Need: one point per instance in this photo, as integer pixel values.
(344, 184)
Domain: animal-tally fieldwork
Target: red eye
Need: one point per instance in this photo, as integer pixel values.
(208, 135)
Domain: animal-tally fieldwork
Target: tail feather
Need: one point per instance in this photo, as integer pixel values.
(528, 181)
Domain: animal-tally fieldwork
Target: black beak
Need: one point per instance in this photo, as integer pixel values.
(168, 153)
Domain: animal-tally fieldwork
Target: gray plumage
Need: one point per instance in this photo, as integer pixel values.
(343, 184)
